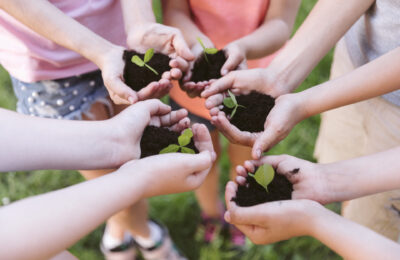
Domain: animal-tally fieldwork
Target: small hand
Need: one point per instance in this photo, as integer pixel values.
(175, 172)
(128, 126)
(274, 221)
(236, 58)
(310, 180)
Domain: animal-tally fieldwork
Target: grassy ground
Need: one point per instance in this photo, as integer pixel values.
(180, 212)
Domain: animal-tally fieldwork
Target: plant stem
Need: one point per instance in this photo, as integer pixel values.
(150, 68)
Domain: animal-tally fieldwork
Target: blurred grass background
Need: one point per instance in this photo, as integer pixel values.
(180, 212)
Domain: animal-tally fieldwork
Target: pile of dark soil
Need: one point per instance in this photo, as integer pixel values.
(252, 116)
(204, 71)
(155, 139)
(253, 193)
(139, 77)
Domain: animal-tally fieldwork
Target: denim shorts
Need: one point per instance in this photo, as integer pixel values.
(66, 98)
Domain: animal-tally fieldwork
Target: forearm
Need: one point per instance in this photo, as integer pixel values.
(351, 240)
(274, 32)
(177, 14)
(373, 79)
(42, 226)
(47, 20)
(325, 25)
(29, 143)
(363, 176)
(137, 12)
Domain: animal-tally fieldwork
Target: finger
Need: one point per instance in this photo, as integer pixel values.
(255, 215)
(233, 133)
(119, 101)
(230, 192)
(264, 142)
(202, 138)
(274, 160)
(181, 125)
(219, 86)
(241, 180)
(155, 107)
(173, 117)
(176, 74)
(241, 171)
(214, 101)
(231, 63)
(249, 165)
(181, 47)
(148, 91)
(121, 90)
(214, 111)
(179, 63)
(167, 75)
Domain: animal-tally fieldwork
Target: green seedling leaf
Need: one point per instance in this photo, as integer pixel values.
(172, 148)
(138, 61)
(232, 97)
(187, 150)
(150, 68)
(188, 132)
(233, 112)
(264, 175)
(183, 140)
(228, 102)
(201, 43)
(148, 55)
(211, 50)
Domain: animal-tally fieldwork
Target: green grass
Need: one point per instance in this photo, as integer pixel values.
(181, 212)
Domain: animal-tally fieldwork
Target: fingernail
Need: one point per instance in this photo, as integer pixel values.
(208, 103)
(227, 216)
(258, 153)
(224, 72)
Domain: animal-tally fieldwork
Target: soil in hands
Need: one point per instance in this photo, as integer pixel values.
(204, 71)
(251, 117)
(139, 77)
(252, 193)
(155, 139)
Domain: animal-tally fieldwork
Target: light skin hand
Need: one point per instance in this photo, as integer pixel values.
(128, 126)
(271, 222)
(175, 172)
(310, 181)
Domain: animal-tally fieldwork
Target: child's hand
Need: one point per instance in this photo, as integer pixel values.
(236, 58)
(245, 81)
(274, 221)
(310, 181)
(286, 113)
(128, 126)
(175, 172)
(163, 39)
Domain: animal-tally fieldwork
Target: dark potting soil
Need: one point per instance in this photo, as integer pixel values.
(204, 71)
(139, 77)
(155, 139)
(253, 193)
(252, 116)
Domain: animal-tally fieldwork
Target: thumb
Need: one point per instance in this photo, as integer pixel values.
(155, 107)
(181, 47)
(263, 143)
(231, 63)
(219, 85)
(245, 215)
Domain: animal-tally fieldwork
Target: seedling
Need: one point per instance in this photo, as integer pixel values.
(206, 51)
(264, 175)
(232, 103)
(143, 63)
(183, 140)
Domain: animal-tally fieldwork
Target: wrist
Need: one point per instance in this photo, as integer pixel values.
(107, 55)
(318, 218)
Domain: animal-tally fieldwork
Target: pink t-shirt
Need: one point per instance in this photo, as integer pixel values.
(30, 57)
(223, 21)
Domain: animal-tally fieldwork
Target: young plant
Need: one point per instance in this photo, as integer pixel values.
(143, 63)
(183, 140)
(232, 103)
(264, 175)
(207, 50)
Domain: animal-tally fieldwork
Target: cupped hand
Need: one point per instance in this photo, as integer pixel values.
(128, 126)
(175, 172)
(274, 221)
(310, 180)
(236, 58)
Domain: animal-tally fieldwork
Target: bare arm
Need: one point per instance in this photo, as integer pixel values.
(58, 219)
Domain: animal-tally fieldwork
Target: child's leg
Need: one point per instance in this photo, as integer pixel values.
(208, 193)
(237, 155)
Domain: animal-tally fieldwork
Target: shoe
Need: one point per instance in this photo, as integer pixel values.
(209, 229)
(125, 251)
(163, 250)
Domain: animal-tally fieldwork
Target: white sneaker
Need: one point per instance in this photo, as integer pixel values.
(125, 251)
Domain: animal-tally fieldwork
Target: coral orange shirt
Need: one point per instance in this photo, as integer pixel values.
(223, 21)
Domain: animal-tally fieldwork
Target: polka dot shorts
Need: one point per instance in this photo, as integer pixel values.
(66, 98)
